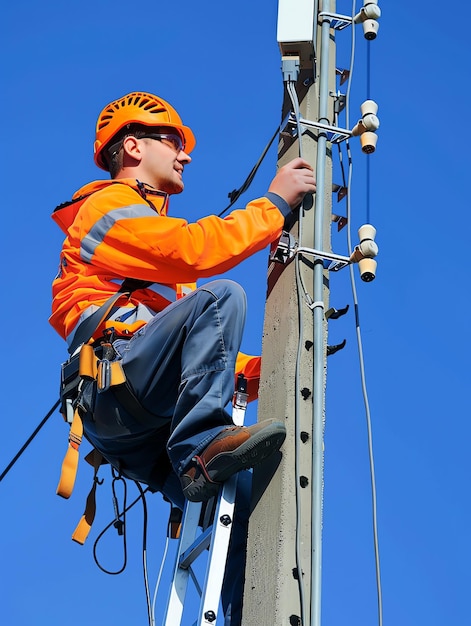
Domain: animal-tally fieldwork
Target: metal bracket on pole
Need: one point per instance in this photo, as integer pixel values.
(288, 247)
(334, 133)
(285, 249)
(338, 21)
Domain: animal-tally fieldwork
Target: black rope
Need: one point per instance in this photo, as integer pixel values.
(236, 193)
(28, 441)
(119, 523)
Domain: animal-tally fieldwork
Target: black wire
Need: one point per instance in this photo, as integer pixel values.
(236, 193)
(28, 441)
(118, 518)
(121, 530)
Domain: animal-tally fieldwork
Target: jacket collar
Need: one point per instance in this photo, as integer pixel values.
(65, 213)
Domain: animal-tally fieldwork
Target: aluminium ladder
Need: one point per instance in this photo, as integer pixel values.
(214, 537)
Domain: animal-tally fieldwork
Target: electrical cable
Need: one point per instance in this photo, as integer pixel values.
(119, 523)
(368, 424)
(121, 527)
(28, 441)
(118, 516)
(359, 339)
(161, 569)
(236, 193)
(144, 554)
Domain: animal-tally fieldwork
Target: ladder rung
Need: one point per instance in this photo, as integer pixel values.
(196, 548)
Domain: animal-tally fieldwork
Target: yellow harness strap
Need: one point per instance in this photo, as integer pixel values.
(80, 534)
(89, 367)
(70, 462)
(87, 361)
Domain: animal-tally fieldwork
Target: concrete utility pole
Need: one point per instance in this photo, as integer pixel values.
(283, 574)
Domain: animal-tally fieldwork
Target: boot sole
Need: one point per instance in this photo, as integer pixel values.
(255, 450)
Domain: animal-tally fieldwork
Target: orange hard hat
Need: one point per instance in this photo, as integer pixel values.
(136, 108)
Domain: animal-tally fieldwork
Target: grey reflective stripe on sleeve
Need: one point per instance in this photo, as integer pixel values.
(99, 230)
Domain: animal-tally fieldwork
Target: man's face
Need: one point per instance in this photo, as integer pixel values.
(163, 160)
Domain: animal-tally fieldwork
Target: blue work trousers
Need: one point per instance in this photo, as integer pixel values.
(180, 366)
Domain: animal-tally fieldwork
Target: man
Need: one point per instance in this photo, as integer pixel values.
(178, 346)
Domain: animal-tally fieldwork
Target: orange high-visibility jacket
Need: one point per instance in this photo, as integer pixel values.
(120, 229)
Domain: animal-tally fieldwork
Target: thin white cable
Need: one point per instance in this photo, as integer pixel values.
(159, 577)
(370, 444)
(359, 340)
(146, 583)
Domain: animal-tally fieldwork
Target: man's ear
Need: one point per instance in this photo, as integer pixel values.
(132, 150)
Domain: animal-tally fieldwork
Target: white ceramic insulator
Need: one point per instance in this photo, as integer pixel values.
(368, 107)
(370, 11)
(368, 142)
(370, 122)
(367, 269)
(367, 231)
(370, 29)
(368, 248)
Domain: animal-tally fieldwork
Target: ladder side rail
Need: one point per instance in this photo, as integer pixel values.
(178, 588)
(221, 529)
(221, 534)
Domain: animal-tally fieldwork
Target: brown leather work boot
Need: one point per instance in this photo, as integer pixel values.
(234, 449)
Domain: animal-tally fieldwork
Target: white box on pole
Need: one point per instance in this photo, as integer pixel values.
(295, 21)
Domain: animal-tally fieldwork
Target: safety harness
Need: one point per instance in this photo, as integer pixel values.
(95, 361)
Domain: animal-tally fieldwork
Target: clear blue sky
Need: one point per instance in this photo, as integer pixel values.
(219, 65)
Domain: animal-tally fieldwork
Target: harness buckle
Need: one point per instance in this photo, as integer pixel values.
(103, 375)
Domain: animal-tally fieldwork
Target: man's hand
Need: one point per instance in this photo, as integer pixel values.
(293, 181)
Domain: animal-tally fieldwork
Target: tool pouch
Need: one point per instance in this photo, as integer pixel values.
(78, 386)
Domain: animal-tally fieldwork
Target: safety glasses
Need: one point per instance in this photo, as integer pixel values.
(173, 140)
